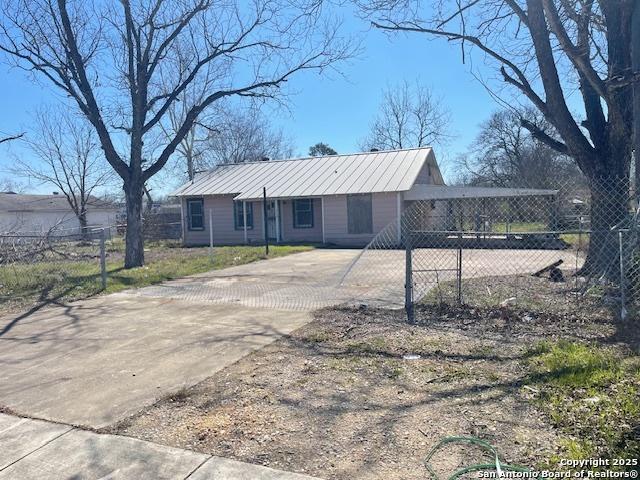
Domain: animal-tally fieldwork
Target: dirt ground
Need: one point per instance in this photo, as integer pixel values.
(340, 399)
(572, 296)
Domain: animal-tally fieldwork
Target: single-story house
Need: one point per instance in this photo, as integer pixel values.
(343, 200)
(339, 199)
(40, 213)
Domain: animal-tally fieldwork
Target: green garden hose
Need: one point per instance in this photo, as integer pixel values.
(497, 465)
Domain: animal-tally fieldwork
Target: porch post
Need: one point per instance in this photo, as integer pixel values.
(183, 221)
(244, 220)
(278, 221)
(324, 239)
(399, 218)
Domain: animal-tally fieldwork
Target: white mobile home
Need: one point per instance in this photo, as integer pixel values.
(41, 213)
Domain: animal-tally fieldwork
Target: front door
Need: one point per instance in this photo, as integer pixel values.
(272, 222)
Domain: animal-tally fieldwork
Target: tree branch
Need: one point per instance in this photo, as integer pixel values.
(544, 137)
(579, 57)
(14, 137)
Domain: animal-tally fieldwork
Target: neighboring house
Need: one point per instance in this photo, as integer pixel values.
(41, 213)
(339, 199)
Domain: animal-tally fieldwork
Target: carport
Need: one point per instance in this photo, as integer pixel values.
(482, 217)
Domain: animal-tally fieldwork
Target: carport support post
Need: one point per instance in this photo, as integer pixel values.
(408, 281)
(244, 221)
(399, 218)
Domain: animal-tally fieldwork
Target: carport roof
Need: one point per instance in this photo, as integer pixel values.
(366, 172)
(442, 192)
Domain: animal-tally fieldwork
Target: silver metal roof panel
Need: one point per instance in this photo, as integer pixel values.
(367, 172)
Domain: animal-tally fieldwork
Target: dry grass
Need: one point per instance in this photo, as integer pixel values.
(74, 277)
(339, 400)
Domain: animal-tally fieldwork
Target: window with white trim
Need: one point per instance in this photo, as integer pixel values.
(238, 215)
(303, 213)
(195, 214)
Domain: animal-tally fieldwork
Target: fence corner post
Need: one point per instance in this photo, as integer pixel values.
(103, 259)
(408, 282)
(459, 272)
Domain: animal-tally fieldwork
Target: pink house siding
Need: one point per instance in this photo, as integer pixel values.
(224, 232)
(291, 234)
(425, 176)
(384, 209)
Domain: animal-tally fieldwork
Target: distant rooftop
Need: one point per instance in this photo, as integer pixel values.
(17, 202)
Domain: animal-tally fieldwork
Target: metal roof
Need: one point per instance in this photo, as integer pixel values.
(17, 202)
(441, 192)
(367, 172)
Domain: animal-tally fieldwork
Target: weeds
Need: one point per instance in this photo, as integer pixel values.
(29, 284)
(593, 394)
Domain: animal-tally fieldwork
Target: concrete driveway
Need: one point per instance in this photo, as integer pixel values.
(380, 274)
(94, 362)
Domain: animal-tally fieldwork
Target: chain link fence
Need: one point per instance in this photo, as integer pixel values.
(573, 248)
(48, 264)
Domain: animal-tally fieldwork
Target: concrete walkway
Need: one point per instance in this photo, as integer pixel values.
(39, 449)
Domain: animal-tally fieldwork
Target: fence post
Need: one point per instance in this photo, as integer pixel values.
(459, 270)
(103, 260)
(623, 300)
(459, 274)
(408, 282)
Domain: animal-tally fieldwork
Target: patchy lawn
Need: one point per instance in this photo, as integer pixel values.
(346, 397)
(592, 393)
(71, 277)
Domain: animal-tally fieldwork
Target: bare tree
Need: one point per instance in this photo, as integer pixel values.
(192, 148)
(236, 136)
(111, 57)
(9, 185)
(505, 154)
(11, 138)
(409, 116)
(69, 158)
(543, 49)
(321, 149)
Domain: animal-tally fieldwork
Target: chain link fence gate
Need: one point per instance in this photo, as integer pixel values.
(542, 250)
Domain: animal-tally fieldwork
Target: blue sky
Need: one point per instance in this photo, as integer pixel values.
(336, 109)
(339, 110)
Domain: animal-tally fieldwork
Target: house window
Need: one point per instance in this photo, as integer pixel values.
(303, 213)
(359, 213)
(238, 215)
(195, 212)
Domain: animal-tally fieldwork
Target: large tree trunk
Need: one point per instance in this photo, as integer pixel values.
(82, 220)
(134, 244)
(609, 207)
